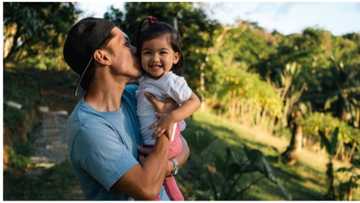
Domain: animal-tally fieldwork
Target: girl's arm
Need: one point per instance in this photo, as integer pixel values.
(185, 110)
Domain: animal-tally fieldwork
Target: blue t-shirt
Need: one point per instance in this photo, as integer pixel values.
(103, 146)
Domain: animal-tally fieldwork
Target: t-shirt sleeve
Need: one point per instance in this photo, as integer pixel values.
(179, 90)
(104, 157)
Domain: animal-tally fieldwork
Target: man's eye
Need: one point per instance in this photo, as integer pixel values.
(127, 44)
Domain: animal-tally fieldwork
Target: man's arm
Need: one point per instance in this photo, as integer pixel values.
(144, 181)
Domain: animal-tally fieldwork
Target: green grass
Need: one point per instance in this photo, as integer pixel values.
(208, 136)
(56, 183)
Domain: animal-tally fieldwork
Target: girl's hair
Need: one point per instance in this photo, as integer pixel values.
(151, 28)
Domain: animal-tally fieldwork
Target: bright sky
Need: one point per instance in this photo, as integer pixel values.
(285, 17)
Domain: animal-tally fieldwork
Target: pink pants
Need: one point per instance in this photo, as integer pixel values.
(169, 184)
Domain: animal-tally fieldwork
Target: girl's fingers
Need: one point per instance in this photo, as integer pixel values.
(162, 132)
(158, 115)
(141, 159)
(159, 132)
(153, 126)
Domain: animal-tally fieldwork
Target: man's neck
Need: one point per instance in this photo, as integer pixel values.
(104, 94)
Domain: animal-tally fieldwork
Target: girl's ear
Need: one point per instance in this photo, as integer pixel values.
(102, 57)
(176, 57)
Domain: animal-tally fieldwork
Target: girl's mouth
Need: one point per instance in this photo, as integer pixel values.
(156, 66)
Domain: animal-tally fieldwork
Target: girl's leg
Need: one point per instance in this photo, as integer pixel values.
(172, 189)
(176, 145)
(170, 185)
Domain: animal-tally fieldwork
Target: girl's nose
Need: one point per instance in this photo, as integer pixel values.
(156, 57)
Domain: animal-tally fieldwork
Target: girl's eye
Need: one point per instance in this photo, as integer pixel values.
(163, 52)
(146, 52)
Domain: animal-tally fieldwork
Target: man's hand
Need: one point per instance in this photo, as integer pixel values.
(144, 151)
(165, 124)
(164, 106)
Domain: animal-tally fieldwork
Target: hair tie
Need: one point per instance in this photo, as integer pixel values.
(151, 19)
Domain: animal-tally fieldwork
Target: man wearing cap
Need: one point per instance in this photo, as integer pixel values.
(103, 127)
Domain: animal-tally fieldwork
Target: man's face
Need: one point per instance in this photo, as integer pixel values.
(123, 61)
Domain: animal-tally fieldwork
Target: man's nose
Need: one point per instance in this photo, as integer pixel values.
(133, 49)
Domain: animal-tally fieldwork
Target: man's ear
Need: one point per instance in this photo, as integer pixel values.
(102, 57)
(176, 57)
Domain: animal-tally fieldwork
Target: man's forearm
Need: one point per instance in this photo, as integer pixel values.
(144, 181)
(155, 164)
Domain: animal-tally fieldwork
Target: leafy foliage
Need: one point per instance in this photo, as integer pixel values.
(349, 181)
(223, 175)
(36, 31)
(348, 137)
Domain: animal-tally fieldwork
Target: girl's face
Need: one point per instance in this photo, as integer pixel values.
(157, 56)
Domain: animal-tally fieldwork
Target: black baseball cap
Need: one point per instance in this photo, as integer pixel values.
(82, 40)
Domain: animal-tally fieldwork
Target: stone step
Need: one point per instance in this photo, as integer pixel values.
(50, 140)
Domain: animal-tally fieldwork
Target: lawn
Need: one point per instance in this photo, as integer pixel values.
(209, 135)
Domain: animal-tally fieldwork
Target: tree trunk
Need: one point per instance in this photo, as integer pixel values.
(12, 47)
(290, 154)
(349, 194)
(202, 84)
(330, 195)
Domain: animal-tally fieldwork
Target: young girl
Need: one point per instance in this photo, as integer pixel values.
(159, 52)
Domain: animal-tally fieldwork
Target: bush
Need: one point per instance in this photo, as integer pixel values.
(245, 96)
(348, 137)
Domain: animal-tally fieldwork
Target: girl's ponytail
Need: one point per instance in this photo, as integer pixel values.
(149, 20)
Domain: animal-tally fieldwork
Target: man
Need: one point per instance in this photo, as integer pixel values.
(103, 127)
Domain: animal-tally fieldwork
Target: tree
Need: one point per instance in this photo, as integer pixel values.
(341, 84)
(300, 68)
(32, 27)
